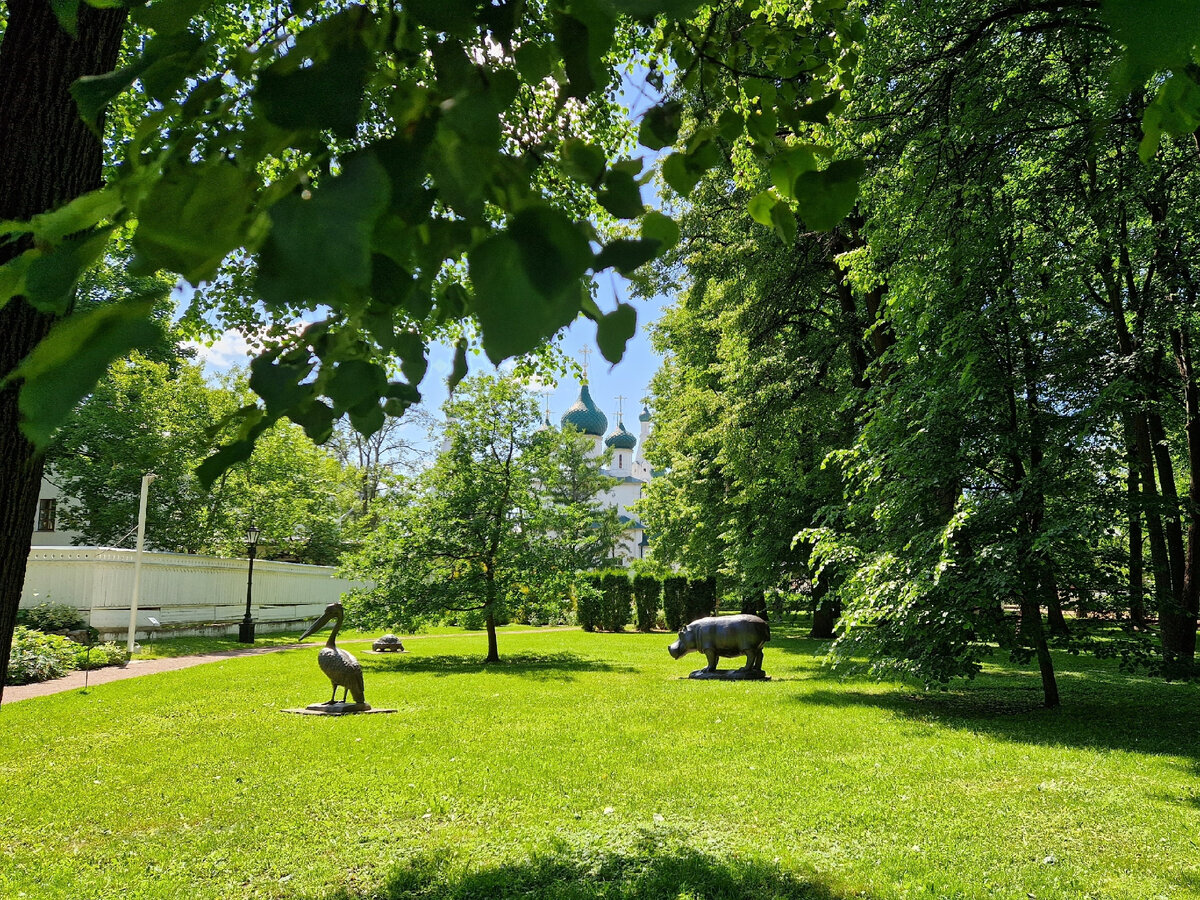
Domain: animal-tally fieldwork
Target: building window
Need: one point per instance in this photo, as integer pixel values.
(46, 515)
(620, 460)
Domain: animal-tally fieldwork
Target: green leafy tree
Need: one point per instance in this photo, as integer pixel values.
(148, 416)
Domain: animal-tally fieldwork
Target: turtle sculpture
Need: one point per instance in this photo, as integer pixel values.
(340, 666)
(389, 643)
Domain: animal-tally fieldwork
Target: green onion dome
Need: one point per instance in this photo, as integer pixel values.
(645, 416)
(585, 415)
(620, 439)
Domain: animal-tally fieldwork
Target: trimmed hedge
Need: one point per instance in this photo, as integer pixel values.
(646, 593)
(618, 601)
(589, 601)
(51, 617)
(674, 595)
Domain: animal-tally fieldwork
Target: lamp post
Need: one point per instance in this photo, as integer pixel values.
(137, 559)
(246, 630)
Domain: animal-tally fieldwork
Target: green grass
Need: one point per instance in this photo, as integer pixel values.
(161, 647)
(586, 766)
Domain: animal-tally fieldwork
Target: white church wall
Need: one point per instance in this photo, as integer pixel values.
(186, 594)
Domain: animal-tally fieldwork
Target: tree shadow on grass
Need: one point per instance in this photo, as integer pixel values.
(648, 875)
(560, 666)
(1100, 711)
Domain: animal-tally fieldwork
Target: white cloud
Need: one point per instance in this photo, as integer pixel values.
(230, 349)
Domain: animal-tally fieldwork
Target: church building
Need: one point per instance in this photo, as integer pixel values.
(627, 464)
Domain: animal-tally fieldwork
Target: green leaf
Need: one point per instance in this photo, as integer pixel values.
(625, 255)
(67, 13)
(534, 62)
(818, 111)
(1174, 110)
(582, 161)
(355, 383)
(326, 94)
(459, 371)
(760, 207)
(193, 217)
(94, 92)
(614, 330)
(681, 173)
(825, 198)
(410, 347)
(660, 126)
(83, 212)
(583, 39)
(368, 418)
(316, 418)
(279, 383)
(51, 277)
(319, 248)
(621, 195)
(514, 315)
(554, 249)
(455, 17)
(70, 360)
(1157, 34)
(12, 276)
(789, 165)
(648, 10)
(168, 16)
(784, 222)
(662, 228)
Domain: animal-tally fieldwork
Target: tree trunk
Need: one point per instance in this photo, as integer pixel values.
(47, 157)
(1133, 501)
(1172, 524)
(826, 612)
(493, 654)
(1054, 611)
(1035, 634)
(1178, 625)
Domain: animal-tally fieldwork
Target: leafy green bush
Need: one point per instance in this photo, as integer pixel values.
(51, 617)
(588, 603)
(39, 657)
(675, 601)
(646, 593)
(700, 599)
(618, 601)
(109, 653)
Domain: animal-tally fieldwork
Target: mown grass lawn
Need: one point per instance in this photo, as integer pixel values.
(587, 766)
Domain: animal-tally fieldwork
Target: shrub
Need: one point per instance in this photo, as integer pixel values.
(674, 601)
(618, 601)
(107, 654)
(588, 603)
(39, 657)
(646, 593)
(51, 617)
(700, 599)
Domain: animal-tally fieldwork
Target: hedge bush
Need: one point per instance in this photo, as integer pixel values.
(674, 596)
(700, 599)
(51, 617)
(39, 657)
(646, 593)
(618, 601)
(109, 653)
(589, 601)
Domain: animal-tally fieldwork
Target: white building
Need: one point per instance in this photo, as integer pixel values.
(627, 464)
(47, 529)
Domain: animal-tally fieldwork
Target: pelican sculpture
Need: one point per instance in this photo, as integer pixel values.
(339, 665)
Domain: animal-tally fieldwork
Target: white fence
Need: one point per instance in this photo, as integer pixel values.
(186, 594)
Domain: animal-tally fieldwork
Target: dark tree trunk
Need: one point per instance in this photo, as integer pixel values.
(1133, 500)
(1035, 635)
(1054, 610)
(1172, 524)
(493, 654)
(47, 157)
(1178, 625)
(826, 612)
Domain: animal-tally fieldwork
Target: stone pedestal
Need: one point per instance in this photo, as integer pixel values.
(730, 675)
(337, 709)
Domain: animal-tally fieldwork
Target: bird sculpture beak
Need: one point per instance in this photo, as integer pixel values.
(315, 626)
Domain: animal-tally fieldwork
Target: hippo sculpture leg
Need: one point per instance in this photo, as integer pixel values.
(725, 636)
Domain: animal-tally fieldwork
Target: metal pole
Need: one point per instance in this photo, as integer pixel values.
(137, 558)
(246, 632)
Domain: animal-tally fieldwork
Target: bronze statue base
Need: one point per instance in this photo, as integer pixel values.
(730, 675)
(337, 709)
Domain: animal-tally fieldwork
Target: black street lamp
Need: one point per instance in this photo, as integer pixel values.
(246, 630)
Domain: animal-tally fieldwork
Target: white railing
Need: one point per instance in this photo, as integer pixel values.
(185, 594)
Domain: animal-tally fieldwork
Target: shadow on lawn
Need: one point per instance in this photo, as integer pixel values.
(607, 876)
(1100, 710)
(560, 665)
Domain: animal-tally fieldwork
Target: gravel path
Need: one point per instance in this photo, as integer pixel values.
(138, 667)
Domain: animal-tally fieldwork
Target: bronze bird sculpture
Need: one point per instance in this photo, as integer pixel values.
(341, 666)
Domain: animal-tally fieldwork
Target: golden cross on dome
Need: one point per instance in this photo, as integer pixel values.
(585, 353)
(621, 407)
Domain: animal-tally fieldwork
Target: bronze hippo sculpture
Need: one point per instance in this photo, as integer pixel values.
(724, 636)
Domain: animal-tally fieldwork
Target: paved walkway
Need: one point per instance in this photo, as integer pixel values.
(74, 681)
